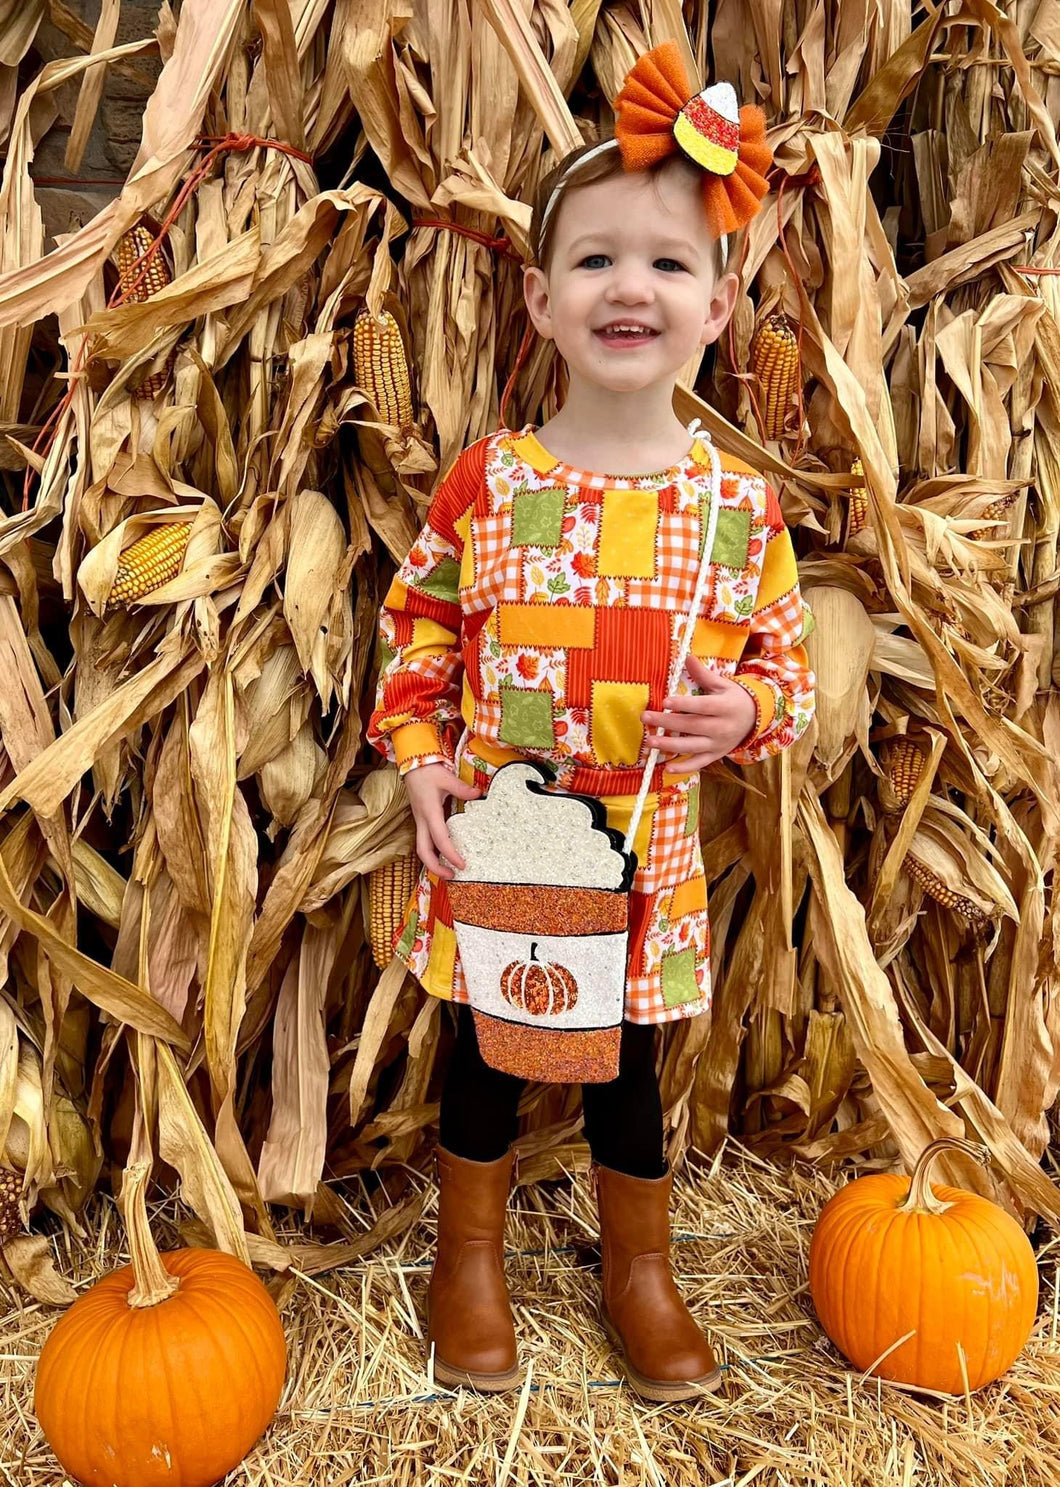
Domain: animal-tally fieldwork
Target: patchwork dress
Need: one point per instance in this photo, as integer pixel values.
(536, 617)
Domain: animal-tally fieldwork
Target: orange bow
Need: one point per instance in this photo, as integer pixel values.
(657, 117)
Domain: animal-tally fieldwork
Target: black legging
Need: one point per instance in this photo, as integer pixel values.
(623, 1118)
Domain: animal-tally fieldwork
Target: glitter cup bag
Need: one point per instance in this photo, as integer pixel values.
(541, 907)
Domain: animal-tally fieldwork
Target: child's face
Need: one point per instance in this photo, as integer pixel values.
(631, 250)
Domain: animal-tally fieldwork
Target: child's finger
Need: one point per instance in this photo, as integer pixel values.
(462, 790)
(427, 855)
(443, 842)
(433, 841)
(680, 743)
(677, 711)
(704, 675)
(691, 764)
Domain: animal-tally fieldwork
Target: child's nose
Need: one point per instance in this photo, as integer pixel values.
(630, 285)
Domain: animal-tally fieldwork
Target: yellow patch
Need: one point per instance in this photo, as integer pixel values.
(462, 528)
(629, 521)
(689, 897)
(530, 449)
(438, 976)
(616, 730)
(429, 638)
(779, 573)
(568, 625)
(467, 705)
(723, 642)
(396, 595)
(412, 740)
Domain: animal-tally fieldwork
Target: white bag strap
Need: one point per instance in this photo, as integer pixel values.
(690, 621)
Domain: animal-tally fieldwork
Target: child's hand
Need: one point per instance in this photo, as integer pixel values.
(699, 730)
(428, 787)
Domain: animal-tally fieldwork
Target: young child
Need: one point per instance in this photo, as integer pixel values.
(536, 617)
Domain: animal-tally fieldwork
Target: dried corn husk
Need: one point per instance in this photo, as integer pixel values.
(219, 719)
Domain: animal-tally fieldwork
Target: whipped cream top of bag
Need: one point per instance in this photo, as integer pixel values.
(522, 833)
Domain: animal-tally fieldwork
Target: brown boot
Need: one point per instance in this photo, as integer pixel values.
(469, 1315)
(665, 1354)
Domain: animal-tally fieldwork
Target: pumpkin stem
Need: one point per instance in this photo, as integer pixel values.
(533, 952)
(920, 1198)
(154, 1283)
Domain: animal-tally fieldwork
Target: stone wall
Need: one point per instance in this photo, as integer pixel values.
(70, 198)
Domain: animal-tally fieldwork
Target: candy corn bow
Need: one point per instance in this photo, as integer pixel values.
(657, 117)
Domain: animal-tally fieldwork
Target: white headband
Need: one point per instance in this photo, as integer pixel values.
(584, 160)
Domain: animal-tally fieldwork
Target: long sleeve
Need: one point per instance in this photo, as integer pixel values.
(774, 667)
(417, 705)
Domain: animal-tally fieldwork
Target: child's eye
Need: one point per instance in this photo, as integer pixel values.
(593, 260)
(669, 264)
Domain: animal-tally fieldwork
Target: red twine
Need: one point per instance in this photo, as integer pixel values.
(218, 147)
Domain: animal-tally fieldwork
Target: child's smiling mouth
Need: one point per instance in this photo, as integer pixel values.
(620, 334)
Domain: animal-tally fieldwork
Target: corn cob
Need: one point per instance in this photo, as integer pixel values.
(130, 250)
(994, 512)
(859, 502)
(149, 563)
(389, 889)
(775, 364)
(935, 888)
(906, 765)
(10, 1193)
(380, 366)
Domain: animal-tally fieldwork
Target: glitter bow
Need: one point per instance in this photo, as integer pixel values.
(657, 117)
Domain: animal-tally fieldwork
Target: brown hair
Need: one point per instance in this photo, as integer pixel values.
(603, 167)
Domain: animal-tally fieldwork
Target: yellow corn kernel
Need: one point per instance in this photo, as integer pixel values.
(149, 563)
(131, 248)
(138, 286)
(994, 512)
(381, 368)
(389, 889)
(935, 888)
(905, 766)
(859, 502)
(10, 1193)
(775, 364)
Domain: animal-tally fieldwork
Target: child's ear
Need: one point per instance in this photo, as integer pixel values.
(538, 303)
(722, 304)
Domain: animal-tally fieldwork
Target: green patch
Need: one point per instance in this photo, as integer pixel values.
(526, 719)
(679, 982)
(732, 536)
(403, 948)
(692, 819)
(537, 518)
(809, 624)
(384, 654)
(442, 582)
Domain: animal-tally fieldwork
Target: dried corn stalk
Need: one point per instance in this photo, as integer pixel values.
(223, 730)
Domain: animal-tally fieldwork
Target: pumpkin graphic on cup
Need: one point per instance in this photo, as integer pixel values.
(539, 986)
(541, 913)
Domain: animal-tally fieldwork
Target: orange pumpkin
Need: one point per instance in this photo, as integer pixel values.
(907, 1277)
(166, 1372)
(539, 987)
